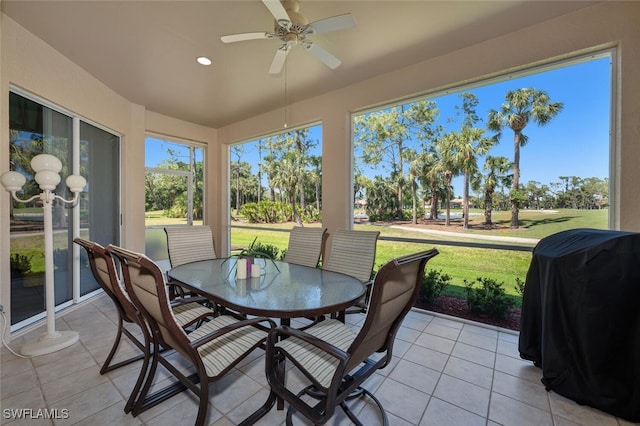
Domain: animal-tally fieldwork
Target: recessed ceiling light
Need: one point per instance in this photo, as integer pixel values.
(203, 60)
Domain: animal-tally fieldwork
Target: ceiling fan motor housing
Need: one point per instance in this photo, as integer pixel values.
(295, 31)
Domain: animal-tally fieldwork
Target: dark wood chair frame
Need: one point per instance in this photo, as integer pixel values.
(170, 332)
(127, 313)
(344, 386)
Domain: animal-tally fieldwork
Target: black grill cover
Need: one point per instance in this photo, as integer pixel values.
(581, 318)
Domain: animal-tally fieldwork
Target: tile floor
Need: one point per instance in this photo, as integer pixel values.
(445, 372)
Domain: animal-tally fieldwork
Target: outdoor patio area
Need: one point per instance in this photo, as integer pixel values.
(445, 372)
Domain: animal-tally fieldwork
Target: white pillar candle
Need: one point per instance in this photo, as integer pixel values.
(255, 270)
(241, 269)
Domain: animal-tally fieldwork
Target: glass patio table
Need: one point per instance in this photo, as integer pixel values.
(283, 290)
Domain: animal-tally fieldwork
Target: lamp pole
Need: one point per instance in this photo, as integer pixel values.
(47, 168)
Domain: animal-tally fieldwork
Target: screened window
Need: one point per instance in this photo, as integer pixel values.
(275, 183)
(508, 155)
(479, 168)
(174, 189)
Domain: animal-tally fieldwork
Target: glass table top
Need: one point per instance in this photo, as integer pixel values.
(283, 290)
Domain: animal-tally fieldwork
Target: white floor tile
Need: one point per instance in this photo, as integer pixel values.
(443, 372)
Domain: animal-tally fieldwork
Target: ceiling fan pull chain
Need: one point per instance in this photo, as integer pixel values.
(285, 95)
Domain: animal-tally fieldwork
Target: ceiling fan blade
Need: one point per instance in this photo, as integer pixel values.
(323, 55)
(278, 59)
(340, 22)
(245, 36)
(277, 10)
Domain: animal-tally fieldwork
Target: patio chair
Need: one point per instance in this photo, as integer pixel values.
(105, 272)
(187, 244)
(213, 348)
(353, 253)
(334, 360)
(306, 246)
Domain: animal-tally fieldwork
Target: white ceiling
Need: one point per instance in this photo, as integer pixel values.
(145, 50)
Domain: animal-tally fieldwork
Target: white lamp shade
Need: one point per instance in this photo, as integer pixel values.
(47, 179)
(76, 183)
(46, 162)
(12, 181)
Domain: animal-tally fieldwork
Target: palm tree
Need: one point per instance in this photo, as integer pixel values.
(447, 167)
(467, 146)
(287, 178)
(498, 174)
(418, 167)
(316, 177)
(238, 151)
(521, 107)
(431, 178)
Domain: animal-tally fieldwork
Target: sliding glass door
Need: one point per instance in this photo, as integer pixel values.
(83, 148)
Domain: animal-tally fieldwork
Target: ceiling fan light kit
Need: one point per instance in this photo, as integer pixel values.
(293, 28)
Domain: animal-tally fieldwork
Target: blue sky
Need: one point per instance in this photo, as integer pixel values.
(575, 143)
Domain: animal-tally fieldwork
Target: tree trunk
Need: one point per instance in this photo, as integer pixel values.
(415, 202)
(447, 179)
(516, 180)
(238, 189)
(465, 201)
(434, 203)
(488, 204)
(296, 215)
(303, 205)
(447, 220)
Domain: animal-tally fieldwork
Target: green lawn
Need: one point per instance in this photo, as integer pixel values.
(540, 223)
(461, 263)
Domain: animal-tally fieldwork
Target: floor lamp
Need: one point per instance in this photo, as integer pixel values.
(47, 168)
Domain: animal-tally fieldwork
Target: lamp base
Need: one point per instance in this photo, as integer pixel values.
(46, 343)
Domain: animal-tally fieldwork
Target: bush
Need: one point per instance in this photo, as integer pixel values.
(433, 284)
(266, 212)
(520, 286)
(384, 217)
(489, 299)
(20, 264)
(311, 214)
(266, 251)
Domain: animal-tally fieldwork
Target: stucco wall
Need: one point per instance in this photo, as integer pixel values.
(29, 64)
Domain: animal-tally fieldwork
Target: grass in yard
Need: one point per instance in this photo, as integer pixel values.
(459, 262)
(540, 223)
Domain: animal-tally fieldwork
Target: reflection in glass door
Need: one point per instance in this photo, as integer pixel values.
(36, 129)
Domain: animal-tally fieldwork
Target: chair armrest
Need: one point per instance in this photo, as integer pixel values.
(229, 328)
(324, 346)
(277, 382)
(183, 300)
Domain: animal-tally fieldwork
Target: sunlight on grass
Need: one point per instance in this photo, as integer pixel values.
(461, 263)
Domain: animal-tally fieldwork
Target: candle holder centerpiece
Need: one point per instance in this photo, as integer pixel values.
(245, 266)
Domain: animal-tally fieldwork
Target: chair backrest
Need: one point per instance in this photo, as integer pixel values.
(305, 246)
(189, 244)
(352, 253)
(105, 272)
(145, 284)
(395, 289)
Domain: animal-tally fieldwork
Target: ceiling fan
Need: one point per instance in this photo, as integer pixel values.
(292, 28)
